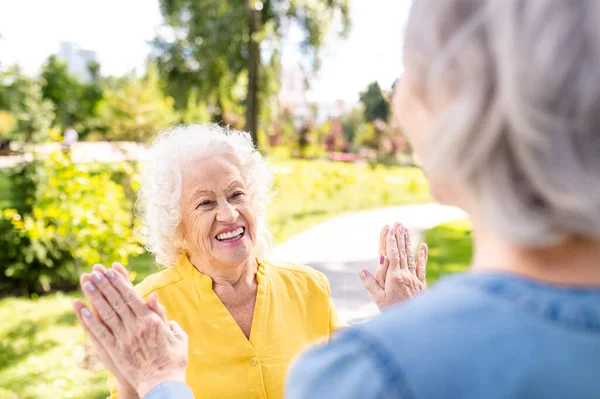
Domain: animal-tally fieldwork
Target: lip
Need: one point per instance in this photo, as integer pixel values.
(229, 229)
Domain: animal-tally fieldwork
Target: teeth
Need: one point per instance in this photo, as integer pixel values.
(231, 234)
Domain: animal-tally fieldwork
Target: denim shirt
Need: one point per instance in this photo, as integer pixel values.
(475, 335)
(170, 390)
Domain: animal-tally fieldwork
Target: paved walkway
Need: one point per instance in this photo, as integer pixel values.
(341, 246)
(86, 152)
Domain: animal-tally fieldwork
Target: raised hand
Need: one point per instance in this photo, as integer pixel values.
(133, 338)
(398, 276)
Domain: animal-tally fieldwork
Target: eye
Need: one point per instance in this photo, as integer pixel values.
(204, 203)
(238, 194)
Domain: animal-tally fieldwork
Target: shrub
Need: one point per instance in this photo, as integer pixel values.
(66, 216)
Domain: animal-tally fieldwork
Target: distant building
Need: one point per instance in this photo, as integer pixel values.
(77, 59)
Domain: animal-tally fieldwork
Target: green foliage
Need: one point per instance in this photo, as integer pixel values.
(136, 109)
(8, 123)
(376, 107)
(351, 123)
(63, 89)
(66, 214)
(308, 192)
(13, 89)
(195, 111)
(366, 136)
(450, 249)
(210, 52)
(34, 115)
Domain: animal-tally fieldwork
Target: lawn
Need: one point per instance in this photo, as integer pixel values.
(450, 249)
(41, 346)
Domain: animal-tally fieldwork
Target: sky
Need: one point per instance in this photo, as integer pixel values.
(118, 31)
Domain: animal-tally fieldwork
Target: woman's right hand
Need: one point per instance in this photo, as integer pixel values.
(399, 276)
(133, 338)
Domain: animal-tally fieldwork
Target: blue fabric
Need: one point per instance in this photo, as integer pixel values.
(170, 390)
(475, 335)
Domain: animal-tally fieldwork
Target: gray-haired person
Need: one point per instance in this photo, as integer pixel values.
(501, 101)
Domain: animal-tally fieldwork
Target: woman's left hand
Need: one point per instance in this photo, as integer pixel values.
(399, 276)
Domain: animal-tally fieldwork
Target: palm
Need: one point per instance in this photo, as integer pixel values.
(399, 276)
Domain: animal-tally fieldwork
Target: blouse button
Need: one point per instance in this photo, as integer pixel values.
(253, 361)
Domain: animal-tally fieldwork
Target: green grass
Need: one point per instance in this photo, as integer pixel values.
(42, 352)
(309, 192)
(450, 249)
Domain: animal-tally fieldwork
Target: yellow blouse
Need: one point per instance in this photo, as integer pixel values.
(293, 308)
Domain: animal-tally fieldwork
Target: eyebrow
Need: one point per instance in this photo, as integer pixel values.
(234, 183)
(198, 193)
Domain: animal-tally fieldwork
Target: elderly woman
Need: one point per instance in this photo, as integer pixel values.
(501, 100)
(203, 198)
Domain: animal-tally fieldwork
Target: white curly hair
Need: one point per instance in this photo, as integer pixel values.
(160, 193)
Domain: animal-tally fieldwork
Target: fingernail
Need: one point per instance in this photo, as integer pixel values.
(381, 260)
(422, 253)
(89, 286)
(96, 276)
(86, 313)
(110, 274)
(401, 230)
(362, 274)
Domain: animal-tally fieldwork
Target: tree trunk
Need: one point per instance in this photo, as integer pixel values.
(252, 106)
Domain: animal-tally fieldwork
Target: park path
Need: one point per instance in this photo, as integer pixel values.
(341, 246)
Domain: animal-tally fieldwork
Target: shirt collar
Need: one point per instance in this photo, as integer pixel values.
(204, 281)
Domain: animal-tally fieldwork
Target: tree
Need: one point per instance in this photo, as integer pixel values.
(136, 109)
(34, 116)
(75, 102)
(376, 107)
(63, 89)
(352, 122)
(217, 42)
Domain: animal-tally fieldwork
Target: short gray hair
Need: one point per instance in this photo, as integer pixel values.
(515, 85)
(160, 193)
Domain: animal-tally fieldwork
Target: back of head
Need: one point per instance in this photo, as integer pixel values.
(515, 87)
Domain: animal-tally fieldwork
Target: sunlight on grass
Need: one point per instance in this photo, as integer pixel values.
(449, 249)
(42, 352)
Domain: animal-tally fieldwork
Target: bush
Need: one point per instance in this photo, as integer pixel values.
(66, 215)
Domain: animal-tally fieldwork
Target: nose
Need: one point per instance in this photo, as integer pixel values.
(227, 213)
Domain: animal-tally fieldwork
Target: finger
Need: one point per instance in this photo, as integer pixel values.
(93, 327)
(409, 254)
(122, 270)
(177, 330)
(422, 263)
(381, 272)
(103, 309)
(135, 303)
(382, 236)
(392, 253)
(113, 296)
(155, 305)
(402, 247)
(370, 284)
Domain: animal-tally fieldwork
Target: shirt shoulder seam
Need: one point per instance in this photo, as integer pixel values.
(166, 284)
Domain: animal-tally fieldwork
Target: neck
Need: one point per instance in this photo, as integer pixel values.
(575, 262)
(235, 276)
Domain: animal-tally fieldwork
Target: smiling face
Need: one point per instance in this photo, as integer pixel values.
(218, 218)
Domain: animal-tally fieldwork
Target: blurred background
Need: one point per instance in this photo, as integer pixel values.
(84, 87)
